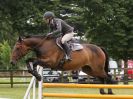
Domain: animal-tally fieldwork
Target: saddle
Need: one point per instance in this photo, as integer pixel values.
(73, 44)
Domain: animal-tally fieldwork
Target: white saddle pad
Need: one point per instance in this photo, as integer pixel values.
(76, 46)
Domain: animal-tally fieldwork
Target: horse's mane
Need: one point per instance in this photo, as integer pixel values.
(39, 36)
(36, 36)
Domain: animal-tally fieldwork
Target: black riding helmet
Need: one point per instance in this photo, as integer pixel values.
(48, 14)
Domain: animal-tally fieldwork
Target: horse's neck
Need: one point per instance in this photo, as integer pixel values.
(34, 42)
(50, 45)
(41, 46)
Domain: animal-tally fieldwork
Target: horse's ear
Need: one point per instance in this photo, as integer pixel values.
(20, 39)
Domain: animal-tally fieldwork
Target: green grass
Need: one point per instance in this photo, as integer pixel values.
(19, 90)
(12, 93)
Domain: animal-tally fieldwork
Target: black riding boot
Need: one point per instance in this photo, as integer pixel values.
(67, 51)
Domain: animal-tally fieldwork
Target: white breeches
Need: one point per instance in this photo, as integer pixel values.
(67, 37)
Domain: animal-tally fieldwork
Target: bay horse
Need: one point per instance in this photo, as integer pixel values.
(92, 59)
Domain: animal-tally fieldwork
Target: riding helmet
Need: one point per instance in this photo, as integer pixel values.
(48, 14)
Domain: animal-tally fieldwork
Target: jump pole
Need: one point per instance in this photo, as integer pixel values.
(62, 95)
(62, 85)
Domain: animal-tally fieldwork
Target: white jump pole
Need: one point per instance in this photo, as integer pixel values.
(29, 87)
(32, 84)
(34, 89)
(40, 84)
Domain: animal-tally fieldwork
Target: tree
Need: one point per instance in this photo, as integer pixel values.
(110, 25)
(5, 55)
(25, 17)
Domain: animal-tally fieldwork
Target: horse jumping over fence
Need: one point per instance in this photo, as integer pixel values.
(92, 59)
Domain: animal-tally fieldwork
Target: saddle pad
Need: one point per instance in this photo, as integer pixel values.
(73, 46)
(76, 46)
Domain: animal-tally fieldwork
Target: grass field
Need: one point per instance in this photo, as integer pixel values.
(12, 93)
(19, 90)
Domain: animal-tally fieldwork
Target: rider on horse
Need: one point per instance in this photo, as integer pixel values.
(56, 26)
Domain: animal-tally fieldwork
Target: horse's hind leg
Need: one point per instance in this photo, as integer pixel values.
(109, 81)
(87, 69)
(103, 82)
(106, 80)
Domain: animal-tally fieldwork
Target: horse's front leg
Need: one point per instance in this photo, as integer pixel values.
(35, 73)
(30, 69)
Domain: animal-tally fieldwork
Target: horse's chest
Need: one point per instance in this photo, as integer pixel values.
(39, 52)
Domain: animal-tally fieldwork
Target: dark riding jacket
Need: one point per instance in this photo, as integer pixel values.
(60, 26)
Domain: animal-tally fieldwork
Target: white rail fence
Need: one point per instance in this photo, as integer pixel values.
(33, 85)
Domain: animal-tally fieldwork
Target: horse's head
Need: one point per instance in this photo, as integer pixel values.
(23, 45)
(20, 49)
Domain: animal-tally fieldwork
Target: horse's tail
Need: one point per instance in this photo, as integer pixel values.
(106, 68)
(106, 61)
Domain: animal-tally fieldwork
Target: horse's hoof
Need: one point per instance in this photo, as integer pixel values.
(38, 77)
(102, 92)
(111, 93)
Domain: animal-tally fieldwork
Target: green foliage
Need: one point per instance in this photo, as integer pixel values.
(5, 55)
(110, 25)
